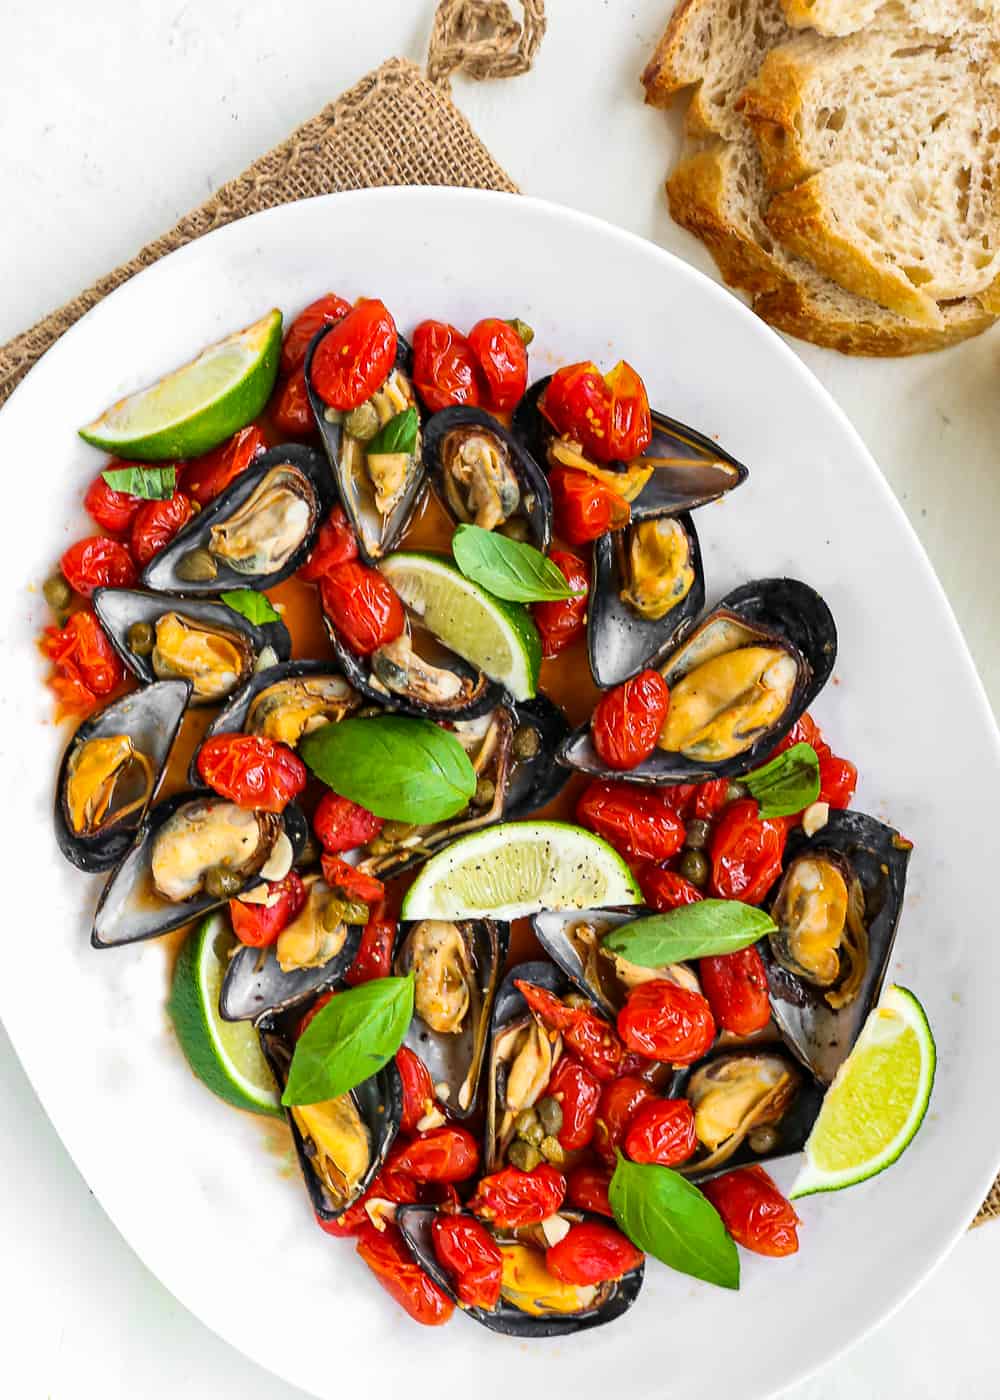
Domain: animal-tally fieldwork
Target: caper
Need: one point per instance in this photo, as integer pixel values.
(736, 791)
(694, 867)
(528, 1128)
(521, 1154)
(197, 566)
(141, 638)
(763, 1139)
(362, 422)
(516, 528)
(58, 593)
(698, 832)
(551, 1150)
(523, 329)
(486, 791)
(527, 742)
(221, 882)
(550, 1114)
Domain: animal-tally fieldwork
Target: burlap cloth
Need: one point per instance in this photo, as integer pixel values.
(393, 128)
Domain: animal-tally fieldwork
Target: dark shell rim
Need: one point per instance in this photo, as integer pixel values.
(331, 974)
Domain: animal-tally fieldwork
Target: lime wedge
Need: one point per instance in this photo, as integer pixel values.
(497, 637)
(196, 407)
(225, 1055)
(519, 868)
(877, 1100)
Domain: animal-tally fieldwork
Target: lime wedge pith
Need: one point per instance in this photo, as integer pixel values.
(518, 868)
(225, 1055)
(877, 1100)
(497, 637)
(194, 408)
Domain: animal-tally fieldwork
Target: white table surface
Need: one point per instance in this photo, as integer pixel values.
(117, 116)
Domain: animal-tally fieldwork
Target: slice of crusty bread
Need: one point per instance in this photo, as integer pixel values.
(838, 17)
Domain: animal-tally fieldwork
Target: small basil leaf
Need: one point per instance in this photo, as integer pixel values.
(405, 770)
(255, 607)
(707, 929)
(507, 568)
(398, 435)
(146, 483)
(786, 785)
(352, 1038)
(664, 1215)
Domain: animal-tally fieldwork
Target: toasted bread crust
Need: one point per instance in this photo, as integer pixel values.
(664, 76)
(772, 105)
(792, 310)
(696, 191)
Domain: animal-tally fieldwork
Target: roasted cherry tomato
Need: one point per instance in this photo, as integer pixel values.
(258, 925)
(511, 1198)
(113, 510)
(837, 776)
(341, 824)
(735, 986)
(560, 624)
(635, 820)
(335, 544)
(746, 852)
(754, 1211)
(290, 408)
(631, 425)
(588, 1035)
(502, 359)
(322, 312)
(441, 1154)
(252, 771)
(583, 508)
(587, 1189)
(418, 1089)
(445, 370)
(156, 523)
(97, 562)
(86, 666)
(627, 721)
(351, 883)
(355, 357)
(469, 1254)
(620, 1101)
(592, 1253)
(363, 606)
(607, 414)
(578, 1093)
(662, 1131)
(710, 798)
(665, 1022)
(374, 956)
(386, 1254)
(204, 477)
(665, 889)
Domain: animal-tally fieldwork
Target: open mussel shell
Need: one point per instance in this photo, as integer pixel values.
(820, 1034)
(215, 674)
(255, 986)
(379, 1105)
(377, 533)
(613, 1299)
(457, 968)
(578, 958)
(484, 476)
(779, 613)
(131, 908)
(621, 640)
(254, 533)
(537, 778)
(510, 1017)
(111, 771)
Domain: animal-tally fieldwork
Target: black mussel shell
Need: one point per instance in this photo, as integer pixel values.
(535, 507)
(255, 986)
(374, 543)
(130, 909)
(379, 1101)
(415, 1224)
(150, 718)
(820, 1036)
(784, 610)
(456, 1059)
(312, 475)
(118, 608)
(620, 641)
(536, 781)
(551, 929)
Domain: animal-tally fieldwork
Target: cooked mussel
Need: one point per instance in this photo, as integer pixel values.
(649, 585)
(836, 910)
(485, 477)
(738, 682)
(379, 491)
(254, 533)
(206, 643)
(193, 853)
(255, 984)
(456, 968)
(111, 771)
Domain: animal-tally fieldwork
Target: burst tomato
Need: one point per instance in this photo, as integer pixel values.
(204, 477)
(607, 414)
(336, 543)
(258, 925)
(636, 821)
(592, 1253)
(746, 852)
(511, 1198)
(588, 1035)
(322, 312)
(735, 986)
(355, 357)
(290, 409)
(561, 623)
(620, 1101)
(627, 721)
(418, 1089)
(469, 1254)
(112, 510)
(85, 664)
(445, 371)
(662, 1131)
(442, 1154)
(156, 523)
(340, 824)
(97, 562)
(374, 956)
(362, 606)
(252, 771)
(386, 1254)
(352, 884)
(754, 1211)
(665, 889)
(578, 1093)
(587, 1189)
(665, 1022)
(584, 508)
(502, 359)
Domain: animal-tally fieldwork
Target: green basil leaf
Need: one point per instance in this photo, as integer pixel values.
(351, 1039)
(507, 568)
(703, 930)
(405, 770)
(255, 607)
(398, 435)
(786, 785)
(664, 1215)
(147, 483)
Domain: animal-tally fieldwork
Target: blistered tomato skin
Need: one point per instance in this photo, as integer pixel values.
(448, 1154)
(97, 562)
(355, 357)
(322, 312)
(445, 370)
(511, 1198)
(258, 925)
(467, 1250)
(340, 824)
(578, 1093)
(502, 359)
(418, 1090)
(350, 882)
(665, 1022)
(290, 408)
(636, 821)
(607, 414)
(583, 508)
(400, 1275)
(665, 889)
(112, 510)
(745, 852)
(156, 523)
(662, 1132)
(591, 1038)
(204, 477)
(86, 667)
(252, 771)
(562, 623)
(735, 986)
(374, 956)
(627, 721)
(592, 1253)
(335, 544)
(754, 1211)
(587, 1189)
(363, 607)
(389, 1184)
(620, 1101)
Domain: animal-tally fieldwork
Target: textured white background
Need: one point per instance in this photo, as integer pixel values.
(117, 116)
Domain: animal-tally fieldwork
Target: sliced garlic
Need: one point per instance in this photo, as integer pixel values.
(433, 1118)
(555, 1228)
(279, 862)
(815, 817)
